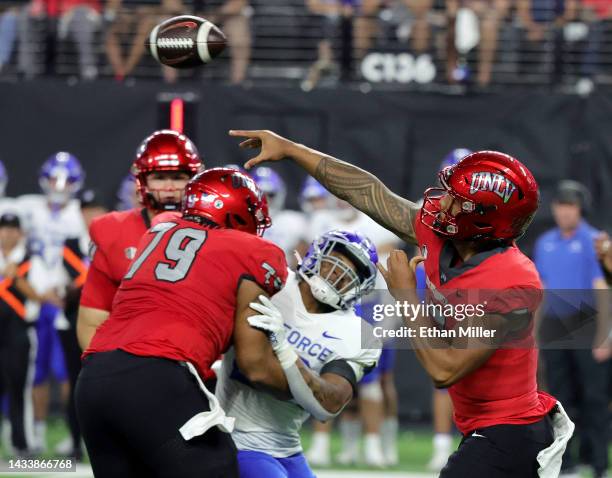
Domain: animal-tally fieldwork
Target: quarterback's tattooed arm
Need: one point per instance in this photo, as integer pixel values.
(368, 194)
(360, 188)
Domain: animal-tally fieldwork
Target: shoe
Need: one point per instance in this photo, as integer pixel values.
(348, 457)
(373, 452)
(318, 457)
(390, 455)
(64, 447)
(437, 462)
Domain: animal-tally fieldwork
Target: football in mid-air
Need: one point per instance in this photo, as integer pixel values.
(186, 41)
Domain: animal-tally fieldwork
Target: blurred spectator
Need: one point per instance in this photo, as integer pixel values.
(77, 20)
(595, 13)
(332, 14)
(35, 37)
(80, 20)
(543, 21)
(463, 17)
(358, 24)
(409, 19)
(567, 263)
(234, 18)
(135, 24)
(9, 19)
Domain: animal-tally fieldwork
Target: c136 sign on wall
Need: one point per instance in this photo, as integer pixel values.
(377, 67)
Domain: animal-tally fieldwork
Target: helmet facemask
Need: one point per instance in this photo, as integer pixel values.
(444, 222)
(59, 186)
(152, 197)
(332, 281)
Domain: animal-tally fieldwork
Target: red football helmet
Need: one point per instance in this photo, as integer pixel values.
(497, 193)
(164, 150)
(228, 198)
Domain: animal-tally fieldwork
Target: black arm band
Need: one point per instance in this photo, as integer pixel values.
(342, 368)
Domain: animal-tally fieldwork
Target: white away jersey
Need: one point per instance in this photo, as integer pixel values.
(269, 425)
(8, 205)
(47, 230)
(288, 228)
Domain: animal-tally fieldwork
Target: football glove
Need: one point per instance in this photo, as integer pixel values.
(271, 321)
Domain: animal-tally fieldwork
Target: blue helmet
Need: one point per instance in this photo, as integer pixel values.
(312, 189)
(3, 179)
(341, 286)
(272, 185)
(127, 194)
(61, 177)
(454, 157)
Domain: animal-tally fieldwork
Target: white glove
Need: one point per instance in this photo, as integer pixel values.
(271, 321)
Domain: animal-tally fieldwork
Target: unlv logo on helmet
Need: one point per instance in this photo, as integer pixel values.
(496, 183)
(456, 210)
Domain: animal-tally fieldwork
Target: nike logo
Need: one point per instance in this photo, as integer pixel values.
(478, 435)
(327, 336)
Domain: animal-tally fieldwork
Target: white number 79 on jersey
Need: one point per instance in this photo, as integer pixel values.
(181, 249)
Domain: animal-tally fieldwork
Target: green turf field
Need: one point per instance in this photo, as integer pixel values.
(414, 447)
(414, 450)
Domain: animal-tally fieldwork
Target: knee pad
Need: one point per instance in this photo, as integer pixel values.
(371, 391)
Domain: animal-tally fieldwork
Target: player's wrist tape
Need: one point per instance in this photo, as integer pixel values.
(286, 356)
(303, 395)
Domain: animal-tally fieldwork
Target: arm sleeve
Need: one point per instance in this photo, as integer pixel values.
(268, 267)
(99, 289)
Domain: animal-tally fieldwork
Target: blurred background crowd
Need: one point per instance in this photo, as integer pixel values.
(427, 44)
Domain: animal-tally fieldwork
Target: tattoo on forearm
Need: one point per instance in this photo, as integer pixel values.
(368, 194)
(323, 392)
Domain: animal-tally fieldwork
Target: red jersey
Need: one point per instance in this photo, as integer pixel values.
(178, 298)
(504, 389)
(114, 237)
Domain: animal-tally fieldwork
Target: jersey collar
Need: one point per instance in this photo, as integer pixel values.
(448, 273)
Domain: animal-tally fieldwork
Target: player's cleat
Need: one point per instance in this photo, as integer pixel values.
(64, 447)
(442, 444)
(40, 437)
(350, 431)
(391, 455)
(348, 457)
(438, 461)
(389, 441)
(318, 454)
(373, 452)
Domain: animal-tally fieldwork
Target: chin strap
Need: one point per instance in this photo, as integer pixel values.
(155, 204)
(320, 289)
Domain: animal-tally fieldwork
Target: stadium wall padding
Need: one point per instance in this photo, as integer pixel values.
(401, 137)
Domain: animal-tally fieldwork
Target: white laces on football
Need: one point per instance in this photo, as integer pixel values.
(175, 43)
